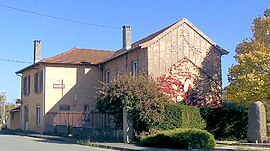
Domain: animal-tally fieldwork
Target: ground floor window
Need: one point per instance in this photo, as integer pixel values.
(38, 115)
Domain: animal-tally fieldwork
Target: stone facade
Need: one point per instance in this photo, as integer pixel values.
(179, 45)
(183, 41)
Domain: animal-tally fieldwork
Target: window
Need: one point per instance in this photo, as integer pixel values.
(86, 111)
(38, 82)
(64, 107)
(135, 68)
(38, 115)
(26, 85)
(107, 77)
(12, 115)
(86, 108)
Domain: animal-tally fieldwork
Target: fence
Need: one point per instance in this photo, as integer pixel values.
(80, 119)
(92, 124)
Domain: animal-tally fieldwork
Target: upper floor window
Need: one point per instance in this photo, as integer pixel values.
(135, 68)
(107, 77)
(38, 82)
(26, 85)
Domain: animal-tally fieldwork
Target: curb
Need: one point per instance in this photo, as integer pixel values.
(266, 145)
(112, 147)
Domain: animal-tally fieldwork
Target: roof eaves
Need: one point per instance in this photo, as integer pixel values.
(26, 68)
(145, 41)
(120, 54)
(220, 49)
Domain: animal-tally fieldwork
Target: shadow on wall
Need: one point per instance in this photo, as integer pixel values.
(77, 106)
(207, 89)
(195, 85)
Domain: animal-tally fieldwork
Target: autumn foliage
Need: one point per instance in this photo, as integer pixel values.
(249, 79)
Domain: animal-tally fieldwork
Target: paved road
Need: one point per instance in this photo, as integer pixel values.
(23, 143)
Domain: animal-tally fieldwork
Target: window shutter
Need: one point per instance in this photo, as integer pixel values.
(36, 82)
(24, 86)
(29, 85)
(40, 81)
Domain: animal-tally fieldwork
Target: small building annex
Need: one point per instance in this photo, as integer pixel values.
(180, 55)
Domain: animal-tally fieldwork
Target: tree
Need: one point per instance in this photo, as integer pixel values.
(249, 79)
(141, 95)
(2, 107)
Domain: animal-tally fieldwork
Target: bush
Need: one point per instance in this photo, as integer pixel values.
(226, 123)
(140, 95)
(181, 116)
(180, 139)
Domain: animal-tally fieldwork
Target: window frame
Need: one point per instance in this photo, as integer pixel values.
(107, 77)
(38, 82)
(135, 67)
(38, 115)
(26, 85)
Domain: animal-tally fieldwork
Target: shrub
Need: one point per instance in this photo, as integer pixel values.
(180, 139)
(181, 116)
(226, 123)
(140, 95)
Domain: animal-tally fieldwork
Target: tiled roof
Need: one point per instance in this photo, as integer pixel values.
(17, 108)
(80, 56)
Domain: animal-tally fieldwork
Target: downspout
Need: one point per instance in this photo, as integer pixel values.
(20, 75)
(43, 94)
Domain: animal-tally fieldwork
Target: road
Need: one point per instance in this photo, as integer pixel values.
(23, 143)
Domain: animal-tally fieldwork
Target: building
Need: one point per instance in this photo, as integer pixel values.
(13, 120)
(180, 55)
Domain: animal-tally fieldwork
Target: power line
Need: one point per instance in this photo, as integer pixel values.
(16, 61)
(59, 18)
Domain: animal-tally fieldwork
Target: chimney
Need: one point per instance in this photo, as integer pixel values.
(37, 47)
(126, 37)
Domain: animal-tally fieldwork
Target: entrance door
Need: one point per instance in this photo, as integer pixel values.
(26, 126)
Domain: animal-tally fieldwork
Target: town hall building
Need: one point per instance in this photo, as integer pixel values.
(185, 59)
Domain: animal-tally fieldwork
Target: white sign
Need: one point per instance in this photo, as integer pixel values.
(59, 86)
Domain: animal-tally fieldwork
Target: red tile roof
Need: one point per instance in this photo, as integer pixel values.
(17, 108)
(80, 56)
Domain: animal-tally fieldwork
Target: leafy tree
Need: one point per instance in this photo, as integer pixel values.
(249, 79)
(141, 95)
(2, 104)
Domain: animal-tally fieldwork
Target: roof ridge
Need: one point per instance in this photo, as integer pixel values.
(70, 50)
(76, 48)
(153, 35)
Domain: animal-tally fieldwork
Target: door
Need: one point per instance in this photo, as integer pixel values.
(26, 117)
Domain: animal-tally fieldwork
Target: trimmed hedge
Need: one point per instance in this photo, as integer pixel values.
(181, 116)
(226, 123)
(180, 139)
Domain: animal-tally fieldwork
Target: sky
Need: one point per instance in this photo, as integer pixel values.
(226, 22)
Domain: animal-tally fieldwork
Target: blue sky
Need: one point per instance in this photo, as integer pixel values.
(226, 22)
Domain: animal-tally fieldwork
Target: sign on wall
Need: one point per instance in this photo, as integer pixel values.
(58, 86)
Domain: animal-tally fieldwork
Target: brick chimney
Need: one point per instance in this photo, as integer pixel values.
(126, 37)
(37, 47)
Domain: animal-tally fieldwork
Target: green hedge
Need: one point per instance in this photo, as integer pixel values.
(226, 123)
(180, 139)
(181, 116)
